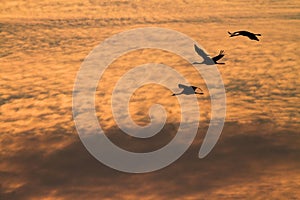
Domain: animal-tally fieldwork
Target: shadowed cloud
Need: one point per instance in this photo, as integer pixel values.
(71, 172)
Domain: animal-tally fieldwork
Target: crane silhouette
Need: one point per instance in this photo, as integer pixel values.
(251, 36)
(187, 90)
(206, 59)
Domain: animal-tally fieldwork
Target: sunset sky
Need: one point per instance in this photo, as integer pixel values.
(42, 46)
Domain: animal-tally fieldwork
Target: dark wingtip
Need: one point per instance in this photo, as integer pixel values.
(194, 87)
(196, 47)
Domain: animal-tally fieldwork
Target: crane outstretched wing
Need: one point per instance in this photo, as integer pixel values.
(218, 57)
(201, 53)
(182, 86)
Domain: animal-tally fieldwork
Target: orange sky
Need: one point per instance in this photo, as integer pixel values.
(43, 44)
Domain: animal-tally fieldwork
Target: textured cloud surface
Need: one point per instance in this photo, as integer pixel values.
(43, 44)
